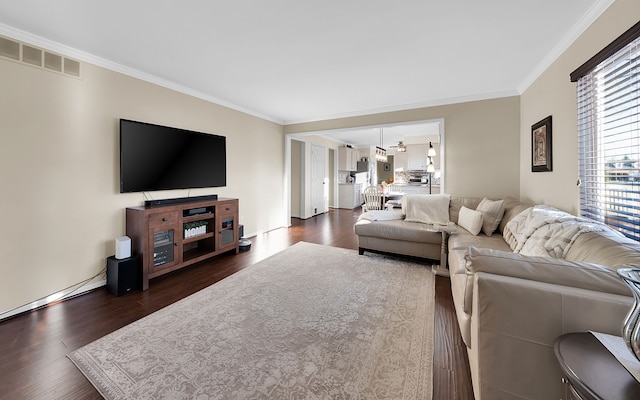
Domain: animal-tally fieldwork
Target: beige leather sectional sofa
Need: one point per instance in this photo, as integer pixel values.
(511, 307)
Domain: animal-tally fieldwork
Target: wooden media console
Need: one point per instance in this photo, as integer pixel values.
(173, 236)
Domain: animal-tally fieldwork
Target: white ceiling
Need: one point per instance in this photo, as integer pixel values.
(295, 61)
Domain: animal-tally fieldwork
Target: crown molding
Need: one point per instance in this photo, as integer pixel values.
(406, 107)
(79, 55)
(578, 29)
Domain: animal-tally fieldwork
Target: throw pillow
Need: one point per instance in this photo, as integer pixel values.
(492, 212)
(470, 220)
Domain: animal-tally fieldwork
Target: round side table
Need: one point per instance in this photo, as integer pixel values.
(591, 372)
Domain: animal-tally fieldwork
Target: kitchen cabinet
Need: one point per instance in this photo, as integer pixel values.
(401, 160)
(348, 159)
(417, 157)
(349, 195)
(414, 159)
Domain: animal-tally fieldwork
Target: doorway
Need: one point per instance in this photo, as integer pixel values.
(299, 198)
(319, 193)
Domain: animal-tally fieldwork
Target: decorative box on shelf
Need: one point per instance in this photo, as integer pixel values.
(192, 229)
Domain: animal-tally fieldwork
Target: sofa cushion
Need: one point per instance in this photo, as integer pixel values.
(465, 263)
(399, 230)
(457, 262)
(459, 281)
(576, 274)
(606, 248)
(456, 203)
(492, 212)
(471, 220)
(462, 239)
(381, 215)
(512, 207)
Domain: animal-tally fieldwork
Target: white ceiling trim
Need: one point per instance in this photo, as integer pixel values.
(442, 102)
(79, 55)
(578, 29)
(335, 134)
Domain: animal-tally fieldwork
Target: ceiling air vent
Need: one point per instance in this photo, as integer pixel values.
(52, 61)
(34, 56)
(9, 49)
(72, 67)
(31, 55)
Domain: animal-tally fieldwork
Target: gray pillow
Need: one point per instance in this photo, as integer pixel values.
(492, 212)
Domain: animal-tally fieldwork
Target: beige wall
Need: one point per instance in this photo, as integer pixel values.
(553, 94)
(482, 142)
(61, 208)
(383, 175)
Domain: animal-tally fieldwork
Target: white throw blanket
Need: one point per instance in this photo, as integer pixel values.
(546, 231)
(426, 208)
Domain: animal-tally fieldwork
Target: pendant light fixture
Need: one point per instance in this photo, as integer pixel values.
(381, 152)
(431, 168)
(432, 151)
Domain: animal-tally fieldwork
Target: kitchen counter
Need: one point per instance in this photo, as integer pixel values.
(349, 195)
(416, 188)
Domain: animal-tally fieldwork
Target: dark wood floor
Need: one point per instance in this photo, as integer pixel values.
(33, 346)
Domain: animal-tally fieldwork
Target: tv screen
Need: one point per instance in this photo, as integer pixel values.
(154, 157)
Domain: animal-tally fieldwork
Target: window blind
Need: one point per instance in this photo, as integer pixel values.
(608, 100)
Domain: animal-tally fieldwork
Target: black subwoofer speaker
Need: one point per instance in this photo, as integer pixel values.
(124, 275)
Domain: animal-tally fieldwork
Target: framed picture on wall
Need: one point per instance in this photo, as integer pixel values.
(541, 146)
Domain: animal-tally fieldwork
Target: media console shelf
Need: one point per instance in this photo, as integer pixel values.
(172, 236)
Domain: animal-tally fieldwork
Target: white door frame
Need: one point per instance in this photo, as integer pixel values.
(333, 178)
(318, 192)
(299, 136)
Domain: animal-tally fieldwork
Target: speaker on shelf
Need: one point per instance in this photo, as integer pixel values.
(123, 247)
(123, 275)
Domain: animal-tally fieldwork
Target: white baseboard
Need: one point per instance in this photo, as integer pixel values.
(59, 296)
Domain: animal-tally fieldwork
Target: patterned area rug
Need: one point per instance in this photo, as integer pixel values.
(311, 322)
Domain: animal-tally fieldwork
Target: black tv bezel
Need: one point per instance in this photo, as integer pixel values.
(177, 130)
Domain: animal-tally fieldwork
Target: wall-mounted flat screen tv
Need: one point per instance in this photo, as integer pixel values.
(154, 157)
